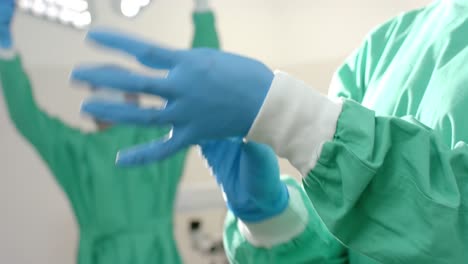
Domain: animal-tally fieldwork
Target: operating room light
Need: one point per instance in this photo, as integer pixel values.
(69, 12)
(131, 8)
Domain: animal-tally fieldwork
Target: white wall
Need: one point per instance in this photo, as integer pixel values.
(308, 38)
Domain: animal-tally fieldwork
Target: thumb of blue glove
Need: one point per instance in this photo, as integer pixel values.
(248, 174)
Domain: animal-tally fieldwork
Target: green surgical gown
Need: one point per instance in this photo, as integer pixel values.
(392, 185)
(124, 215)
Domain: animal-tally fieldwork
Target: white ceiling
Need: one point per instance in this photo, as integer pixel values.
(278, 32)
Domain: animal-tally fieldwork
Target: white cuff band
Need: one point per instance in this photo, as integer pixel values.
(280, 229)
(295, 120)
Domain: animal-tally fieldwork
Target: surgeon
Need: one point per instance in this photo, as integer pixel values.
(384, 157)
(122, 219)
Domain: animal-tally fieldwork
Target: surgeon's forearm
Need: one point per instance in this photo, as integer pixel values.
(205, 34)
(295, 236)
(374, 181)
(17, 92)
(295, 121)
(16, 87)
(392, 181)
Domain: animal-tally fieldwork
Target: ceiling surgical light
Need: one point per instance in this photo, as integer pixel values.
(68, 12)
(131, 8)
(144, 3)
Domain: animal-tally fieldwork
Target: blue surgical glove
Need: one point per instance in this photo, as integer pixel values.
(7, 10)
(248, 174)
(210, 94)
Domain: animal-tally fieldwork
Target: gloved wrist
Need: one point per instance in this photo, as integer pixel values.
(255, 209)
(283, 227)
(291, 113)
(6, 40)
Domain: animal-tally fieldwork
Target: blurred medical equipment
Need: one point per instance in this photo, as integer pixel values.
(197, 198)
(206, 244)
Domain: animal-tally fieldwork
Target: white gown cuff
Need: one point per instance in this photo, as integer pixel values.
(295, 120)
(7, 54)
(280, 229)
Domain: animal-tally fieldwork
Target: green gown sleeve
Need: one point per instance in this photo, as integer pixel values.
(45, 133)
(314, 245)
(389, 187)
(205, 34)
(350, 81)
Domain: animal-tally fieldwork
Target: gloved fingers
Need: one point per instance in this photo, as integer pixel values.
(124, 113)
(115, 77)
(154, 151)
(149, 54)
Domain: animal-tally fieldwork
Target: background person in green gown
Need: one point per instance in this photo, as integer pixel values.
(121, 219)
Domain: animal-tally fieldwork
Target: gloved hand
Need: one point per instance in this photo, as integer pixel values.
(248, 174)
(7, 10)
(210, 94)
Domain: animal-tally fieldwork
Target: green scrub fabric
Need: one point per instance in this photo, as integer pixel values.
(392, 185)
(124, 215)
(314, 245)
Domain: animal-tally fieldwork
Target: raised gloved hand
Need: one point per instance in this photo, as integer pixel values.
(249, 176)
(7, 10)
(210, 94)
